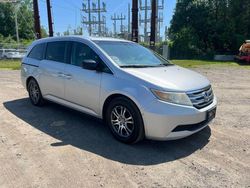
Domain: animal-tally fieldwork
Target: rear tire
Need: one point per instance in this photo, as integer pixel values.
(124, 120)
(35, 94)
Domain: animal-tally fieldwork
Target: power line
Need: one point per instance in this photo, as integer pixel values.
(72, 4)
(146, 8)
(120, 18)
(90, 20)
(129, 24)
(60, 6)
(26, 22)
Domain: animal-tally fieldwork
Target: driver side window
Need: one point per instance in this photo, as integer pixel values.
(81, 52)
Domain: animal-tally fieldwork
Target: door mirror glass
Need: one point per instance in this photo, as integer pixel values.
(89, 64)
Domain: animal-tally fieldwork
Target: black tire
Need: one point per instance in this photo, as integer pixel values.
(132, 132)
(35, 94)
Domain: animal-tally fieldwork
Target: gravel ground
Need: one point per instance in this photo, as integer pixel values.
(57, 147)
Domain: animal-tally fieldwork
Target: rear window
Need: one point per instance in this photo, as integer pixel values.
(37, 52)
(56, 51)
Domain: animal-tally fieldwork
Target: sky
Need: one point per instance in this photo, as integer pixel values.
(68, 13)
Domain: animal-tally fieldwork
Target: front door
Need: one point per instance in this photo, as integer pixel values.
(82, 87)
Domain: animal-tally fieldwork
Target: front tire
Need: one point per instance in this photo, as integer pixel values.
(125, 121)
(35, 94)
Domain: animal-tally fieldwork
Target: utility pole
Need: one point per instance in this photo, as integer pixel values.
(153, 25)
(121, 19)
(129, 26)
(91, 21)
(159, 22)
(99, 18)
(146, 8)
(16, 23)
(166, 33)
(118, 18)
(89, 13)
(135, 20)
(49, 19)
(36, 19)
(114, 24)
(146, 17)
(104, 27)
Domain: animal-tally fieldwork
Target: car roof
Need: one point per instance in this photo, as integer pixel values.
(94, 39)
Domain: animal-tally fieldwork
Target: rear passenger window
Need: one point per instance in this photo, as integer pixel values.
(37, 51)
(56, 51)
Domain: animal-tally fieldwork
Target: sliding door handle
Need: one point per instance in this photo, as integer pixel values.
(60, 74)
(68, 76)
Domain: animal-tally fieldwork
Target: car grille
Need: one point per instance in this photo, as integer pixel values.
(201, 98)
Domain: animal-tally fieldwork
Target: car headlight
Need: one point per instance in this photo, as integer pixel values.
(173, 97)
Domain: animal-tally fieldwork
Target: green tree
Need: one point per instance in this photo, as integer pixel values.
(201, 28)
(44, 32)
(24, 18)
(7, 22)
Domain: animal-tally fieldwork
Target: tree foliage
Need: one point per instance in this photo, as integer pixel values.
(7, 22)
(24, 19)
(201, 28)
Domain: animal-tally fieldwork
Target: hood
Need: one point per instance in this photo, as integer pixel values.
(173, 78)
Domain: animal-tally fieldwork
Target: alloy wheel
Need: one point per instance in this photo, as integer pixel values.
(34, 92)
(122, 121)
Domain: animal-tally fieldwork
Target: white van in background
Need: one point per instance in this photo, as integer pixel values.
(12, 53)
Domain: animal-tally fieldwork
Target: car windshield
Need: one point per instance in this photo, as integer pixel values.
(128, 54)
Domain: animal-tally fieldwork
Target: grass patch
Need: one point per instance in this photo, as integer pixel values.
(10, 64)
(201, 63)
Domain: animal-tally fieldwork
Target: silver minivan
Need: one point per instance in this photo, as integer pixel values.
(137, 93)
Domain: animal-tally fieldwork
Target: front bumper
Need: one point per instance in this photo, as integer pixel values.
(165, 121)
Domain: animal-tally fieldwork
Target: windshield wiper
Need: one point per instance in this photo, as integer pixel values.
(167, 64)
(145, 66)
(137, 66)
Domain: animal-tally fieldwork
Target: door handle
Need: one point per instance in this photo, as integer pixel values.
(60, 74)
(68, 76)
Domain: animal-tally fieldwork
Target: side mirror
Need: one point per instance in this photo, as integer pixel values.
(89, 64)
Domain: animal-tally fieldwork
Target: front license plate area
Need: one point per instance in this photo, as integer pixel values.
(211, 114)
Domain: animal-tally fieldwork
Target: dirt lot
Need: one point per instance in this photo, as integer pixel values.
(57, 147)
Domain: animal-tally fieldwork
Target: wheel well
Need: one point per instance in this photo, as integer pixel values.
(28, 80)
(112, 97)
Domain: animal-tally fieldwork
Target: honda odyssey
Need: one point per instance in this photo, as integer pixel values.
(137, 93)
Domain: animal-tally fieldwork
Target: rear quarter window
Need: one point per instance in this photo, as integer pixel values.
(37, 52)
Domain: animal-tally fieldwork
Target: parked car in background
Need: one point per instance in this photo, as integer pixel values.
(12, 53)
(136, 91)
(21, 52)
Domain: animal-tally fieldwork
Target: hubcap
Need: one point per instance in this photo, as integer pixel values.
(34, 92)
(122, 121)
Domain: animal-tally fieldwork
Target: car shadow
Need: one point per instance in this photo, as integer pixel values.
(90, 134)
(243, 63)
